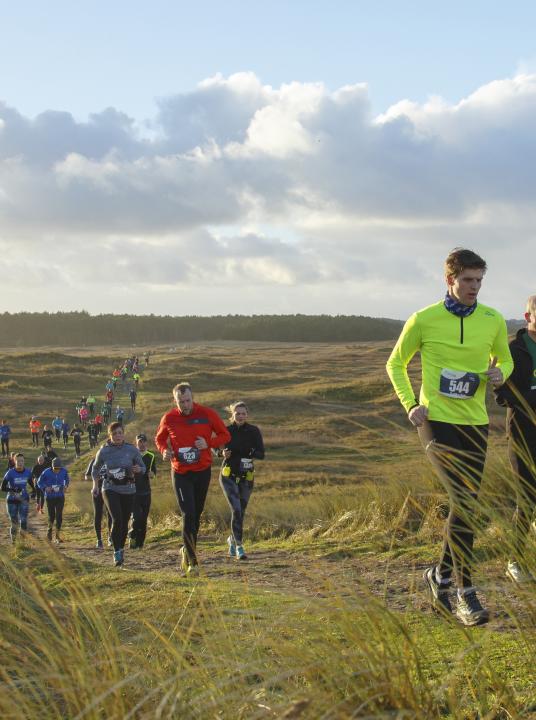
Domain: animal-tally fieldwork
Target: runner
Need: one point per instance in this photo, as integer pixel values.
(93, 434)
(119, 414)
(519, 395)
(84, 415)
(17, 499)
(133, 395)
(49, 454)
(98, 504)
(65, 428)
(47, 436)
(238, 472)
(57, 425)
(142, 499)
(36, 473)
(54, 482)
(11, 461)
(76, 434)
(5, 432)
(463, 345)
(91, 403)
(136, 379)
(99, 420)
(122, 461)
(35, 429)
(191, 430)
(109, 396)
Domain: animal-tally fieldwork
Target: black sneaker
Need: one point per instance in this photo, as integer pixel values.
(439, 594)
(469, 609)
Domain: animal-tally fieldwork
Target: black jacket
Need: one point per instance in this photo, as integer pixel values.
(516, 393)
(246, 442)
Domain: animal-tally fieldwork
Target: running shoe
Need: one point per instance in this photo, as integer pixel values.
(515, 572)
(110, 543)
(232, 546)
(49, 534)
(439, 594)
(58, 539)
(118, 558)
(133, 544)
(241, 553)
(469, 610)
(99, 545)
(185, 565)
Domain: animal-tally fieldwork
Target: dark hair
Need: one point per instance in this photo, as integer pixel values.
(113, 426)
(461, 259)
(19, 455)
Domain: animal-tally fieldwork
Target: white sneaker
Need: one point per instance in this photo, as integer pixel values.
(515, 572)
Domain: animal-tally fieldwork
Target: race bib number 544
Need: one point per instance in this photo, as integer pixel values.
(458, 384)
(188, 455)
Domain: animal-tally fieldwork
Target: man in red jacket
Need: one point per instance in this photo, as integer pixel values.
(185, 436)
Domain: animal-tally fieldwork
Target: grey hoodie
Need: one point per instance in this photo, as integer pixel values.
(118, 460)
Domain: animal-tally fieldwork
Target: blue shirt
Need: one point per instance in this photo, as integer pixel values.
(53, 484)
(5, 432)
(65, 428)
(14, 484)
(57, 424)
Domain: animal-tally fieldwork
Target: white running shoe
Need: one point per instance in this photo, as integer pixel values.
(516, 573)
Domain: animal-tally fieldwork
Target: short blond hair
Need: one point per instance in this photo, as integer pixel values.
(181, 388)
(531, 304)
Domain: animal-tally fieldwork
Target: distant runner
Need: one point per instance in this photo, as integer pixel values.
(57, 425)
(92, 433)
(18, 499)
(463, 345)
(54, 482)
(76, 434)
(91, 403)
(35, 429)
(519, 394)
(5, 433)
(142, 499)
(122, 461)
(185, 436)
(65, 429)
(119, 414)
(98, 504)
(47, 436)
(238, 472)
(36, 474)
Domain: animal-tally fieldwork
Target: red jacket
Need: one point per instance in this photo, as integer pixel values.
(183, 430)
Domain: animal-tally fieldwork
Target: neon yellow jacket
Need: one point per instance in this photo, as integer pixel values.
(450, 343)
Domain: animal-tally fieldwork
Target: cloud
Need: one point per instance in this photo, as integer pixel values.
(368, 201)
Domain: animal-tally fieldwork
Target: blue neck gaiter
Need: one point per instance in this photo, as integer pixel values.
(457, 308)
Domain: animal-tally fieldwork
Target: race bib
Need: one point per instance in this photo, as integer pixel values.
(188, 455)
(246, 464)
(55, 488)
(457, 384)
(117, 474)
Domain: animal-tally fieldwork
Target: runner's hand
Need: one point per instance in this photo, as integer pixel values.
(226, 453)
(494, 373)
(136, 469)
(167, 455)
(418, 415)
(95, 491)
(201, 443)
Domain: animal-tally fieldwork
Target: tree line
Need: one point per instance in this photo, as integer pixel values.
(82, 329)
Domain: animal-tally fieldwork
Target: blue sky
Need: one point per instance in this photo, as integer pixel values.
(305, 156)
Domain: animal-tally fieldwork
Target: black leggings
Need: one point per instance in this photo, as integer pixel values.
(191, 490)
(237, 494)
(55, 511)
(458, 452)
(119, 506)
(522, 453)
(5, 447)
(98, 509)
(40, 497)
(140, 513)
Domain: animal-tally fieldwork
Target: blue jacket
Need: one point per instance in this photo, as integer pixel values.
(65, 427)
(57, 424)
(53, 484)
(14, 483)
(5, 432)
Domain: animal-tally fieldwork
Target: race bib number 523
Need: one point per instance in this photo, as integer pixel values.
(188, 455)
(457, 384)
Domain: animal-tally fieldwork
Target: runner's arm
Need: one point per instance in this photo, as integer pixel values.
(407, 345)
(258, 451)
(501, 350)
(221, 434)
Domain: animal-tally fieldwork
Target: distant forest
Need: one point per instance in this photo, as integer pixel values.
(83, 329)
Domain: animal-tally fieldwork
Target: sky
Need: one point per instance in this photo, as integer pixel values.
(246, 157)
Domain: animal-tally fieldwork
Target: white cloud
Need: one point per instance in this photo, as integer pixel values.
(371, 203)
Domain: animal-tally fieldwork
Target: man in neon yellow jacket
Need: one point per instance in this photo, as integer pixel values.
(463, 346)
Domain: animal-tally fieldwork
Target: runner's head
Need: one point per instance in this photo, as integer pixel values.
(116, 433)
(141, 442)
(239, 412)
(19, 461)
(182, 392)
(56, 464)
(464, 271)
(530, 314)
(40, 459)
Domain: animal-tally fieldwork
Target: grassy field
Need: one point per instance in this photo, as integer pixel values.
(328, 618)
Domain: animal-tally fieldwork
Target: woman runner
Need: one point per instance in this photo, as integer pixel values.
(54, 482)
(237, 472)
